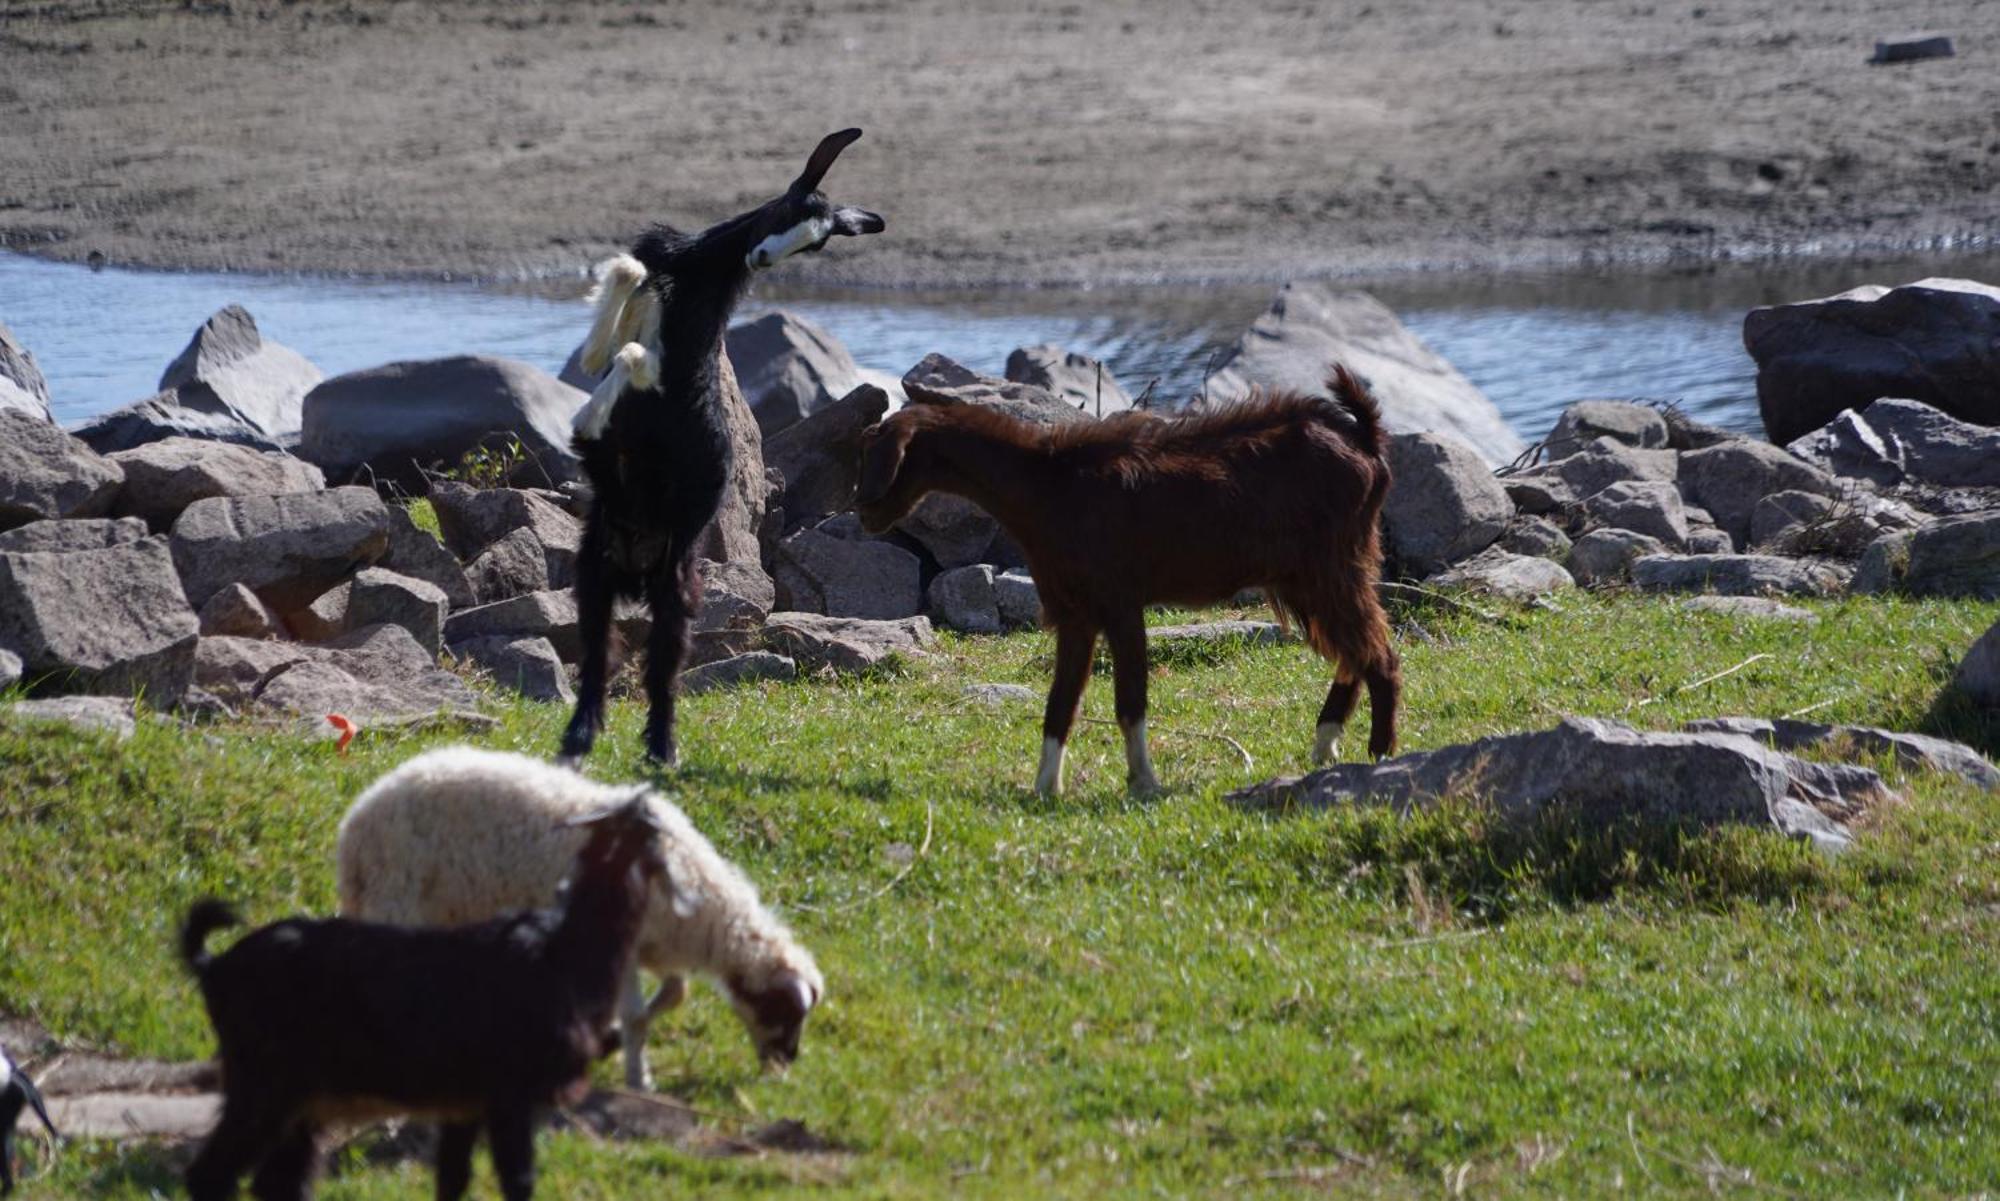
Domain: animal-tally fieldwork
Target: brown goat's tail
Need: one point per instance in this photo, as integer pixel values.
(1351, 394)
(203, 920)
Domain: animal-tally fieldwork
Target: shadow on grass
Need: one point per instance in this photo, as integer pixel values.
(1956, 716)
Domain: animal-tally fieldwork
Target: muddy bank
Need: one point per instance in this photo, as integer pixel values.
(1053, 143)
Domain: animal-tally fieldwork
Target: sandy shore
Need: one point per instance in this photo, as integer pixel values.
(1045, 143)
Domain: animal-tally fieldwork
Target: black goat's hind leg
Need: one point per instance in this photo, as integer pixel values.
(454, 1159)
(594, 595)
(286, 1173)
(668, 593)
(510, 1137)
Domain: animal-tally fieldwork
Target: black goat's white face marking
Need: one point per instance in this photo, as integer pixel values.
(809, 233)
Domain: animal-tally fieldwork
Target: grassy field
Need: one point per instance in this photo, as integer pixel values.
(1105, 996)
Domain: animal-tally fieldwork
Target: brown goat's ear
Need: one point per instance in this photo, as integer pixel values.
(883, 446)
(822, 159)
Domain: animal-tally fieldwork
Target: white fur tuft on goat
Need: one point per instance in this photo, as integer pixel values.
(459, 834)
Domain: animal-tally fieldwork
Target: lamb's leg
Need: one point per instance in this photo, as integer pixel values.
(593, 620)
(666, 592)
(510, 1138)
(286, 1173)
(1074, 643)
(1127, 638)
(633, 1017)
(454, 1159)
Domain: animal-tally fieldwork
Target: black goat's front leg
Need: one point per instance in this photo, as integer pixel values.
(286, 1173)
(510, 1138)
(454, 1159)
(249, 1127)
(1126, 635)
(594, 596)
(1074, 642)
(667, 593)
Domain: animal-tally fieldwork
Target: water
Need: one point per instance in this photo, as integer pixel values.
(1533, 344)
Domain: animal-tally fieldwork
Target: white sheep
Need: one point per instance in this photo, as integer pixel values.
(459, 834)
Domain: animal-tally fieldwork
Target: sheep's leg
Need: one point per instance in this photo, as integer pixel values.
(1127, 637)
(454, 1159)
(664, 654)
(633, 1018)
(286, 1173)
(1074, 643)
(593, 620)
(510, 1138)
(1341, 698)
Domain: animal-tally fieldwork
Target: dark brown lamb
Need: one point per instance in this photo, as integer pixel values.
(1283, 492)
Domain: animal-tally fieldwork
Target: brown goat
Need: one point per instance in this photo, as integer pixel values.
(1282, 491)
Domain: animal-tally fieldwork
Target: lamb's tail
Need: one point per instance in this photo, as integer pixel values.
(621, 310)
(1351, 394)
(204, 919)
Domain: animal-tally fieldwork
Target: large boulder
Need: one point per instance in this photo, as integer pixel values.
(53, 536)
(820, 457)
(111, 621)
(1600, 774)
(1587, 420)
(964, 599)
(375, 675)
(416, 553)
(1444, 505)
(287, 549)
(846, 644)
(747, 668)
(46, 473)
(1923, 751)
(21, 384)
(1735, 575)
(1730, 478)
(1310, 325)
(733, 536)
(1978, 674)
(1605, 461)
(230, 369)
(550, 615)
(164, 416)
(529, 666)
(1501, 573)
(1935, 341)
(1076, 379)
(815, 573)
(1894, 440)
(1955, 556)
(1650, 507)
(162, 478)
(396, 422)
(512, 565)
(788, 367)
(473, 519)
(378, 597)
(1606, 556)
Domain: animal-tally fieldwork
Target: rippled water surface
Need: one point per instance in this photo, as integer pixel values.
(1533, 344)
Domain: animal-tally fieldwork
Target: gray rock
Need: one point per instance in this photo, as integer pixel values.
(1444, 504)
(1504, 574)
(110, 622)
(1076, 379)
(1606, 556)
(1685, 433)
(473, 519)
(733, 596)
(550, 615)
(1936, 341)
(374, 675)
(1780, 514)
(287, 549)
(529, 666)
(1911, 750)
(378, 597)
(21, 384)
(1599, 774)
(1650, 507)
(1735, 575)
(1978, 675)
(1019, 603)
(1607, 461)
(1537, 536)
(820, 457)
(1587, 420)
(1883, 564)
(1759, 607)
(163, 478)
(322, 620)
(963, 599)
(955, 531)
(1850, 447)
(228, 368)
(845, 644)
(393, 423)
(1310, 325)
(1911, 48)
(1956, 556)
(1894, 440)
(232, 668)
(818, 574)
(164, 416)
(418, 554)
(999, 694)
(46, 473)
(1210, 634)
(1538, 494)
(10, 669)
(733, 537)
(116, 716)
(1729, 479)
(513, 565)
(1707, 540)
(788, 368)
(940, 381)
(78, 533)
(236, 612)
(747, 668)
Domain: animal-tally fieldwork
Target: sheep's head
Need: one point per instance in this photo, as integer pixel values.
(774, 1010)
(803, 218)
(893, 467)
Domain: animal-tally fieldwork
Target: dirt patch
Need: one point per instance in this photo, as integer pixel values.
(1049, 142)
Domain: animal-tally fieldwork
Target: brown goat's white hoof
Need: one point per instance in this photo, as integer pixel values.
(1326, 743)
(1049, 777)
(1139, 777)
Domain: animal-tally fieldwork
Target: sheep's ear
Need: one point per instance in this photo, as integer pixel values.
(850, 222)
(822, 158)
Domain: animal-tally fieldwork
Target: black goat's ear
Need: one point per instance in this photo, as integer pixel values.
(822, 158)
(850, 222)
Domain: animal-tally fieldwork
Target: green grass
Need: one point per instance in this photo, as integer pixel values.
(1106, 996)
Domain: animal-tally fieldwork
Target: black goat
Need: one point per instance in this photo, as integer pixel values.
(340, 1021)
(17, 1090)
(654, 440)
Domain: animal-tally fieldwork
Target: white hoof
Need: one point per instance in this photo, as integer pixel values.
(1326, 744)
(1049, 777)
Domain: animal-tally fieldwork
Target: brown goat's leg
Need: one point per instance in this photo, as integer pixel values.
(454, 1159)
(1074, 643)
(510, 1139)
(1340, 701)
(286, 1173)
(1385, 696)
(1126, 635)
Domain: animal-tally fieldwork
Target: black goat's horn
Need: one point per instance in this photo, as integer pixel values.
(822, 158)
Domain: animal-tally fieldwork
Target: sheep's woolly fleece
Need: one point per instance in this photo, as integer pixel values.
(461, 834)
